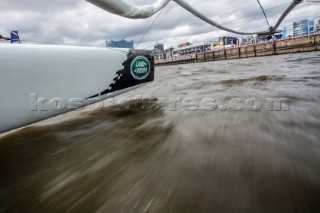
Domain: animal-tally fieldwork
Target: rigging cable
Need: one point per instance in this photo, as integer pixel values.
(228, 22)
(125, 9)
(264, 13)
(272, 8)
(150, 27)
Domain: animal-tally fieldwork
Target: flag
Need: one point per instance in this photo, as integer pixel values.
(15, 36)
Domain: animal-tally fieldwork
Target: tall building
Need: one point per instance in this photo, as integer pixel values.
(296, 29)
(159, 47)
(303, 27)
(311, 26)
(317, 27)
(284, 33)
(120, 43)
(158, 51)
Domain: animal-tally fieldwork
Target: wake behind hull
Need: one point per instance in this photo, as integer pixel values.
(38, 81)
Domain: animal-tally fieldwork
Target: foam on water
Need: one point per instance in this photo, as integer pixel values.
(159, 153)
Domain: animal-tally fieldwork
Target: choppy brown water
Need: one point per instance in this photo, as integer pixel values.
(155, 155)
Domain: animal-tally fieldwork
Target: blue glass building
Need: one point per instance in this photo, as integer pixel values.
(303, 27)
(120, 43)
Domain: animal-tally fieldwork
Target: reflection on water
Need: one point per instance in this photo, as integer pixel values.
(146, 156)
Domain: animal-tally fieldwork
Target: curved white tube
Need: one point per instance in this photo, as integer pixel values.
(284, 15)
(126, 9)
(197, 13)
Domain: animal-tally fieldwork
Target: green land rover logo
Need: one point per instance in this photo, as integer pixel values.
(140, 68)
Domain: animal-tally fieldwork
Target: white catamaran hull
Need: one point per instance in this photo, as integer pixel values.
(39, 81)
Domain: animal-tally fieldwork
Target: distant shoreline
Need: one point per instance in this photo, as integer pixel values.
(279, 47)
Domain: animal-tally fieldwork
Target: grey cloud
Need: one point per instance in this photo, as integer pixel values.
(77, 22)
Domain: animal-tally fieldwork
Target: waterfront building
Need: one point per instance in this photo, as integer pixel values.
(169, 52)
(214, 45)
(159, 47)
(157, 54)
(296, 29)
(311, 26)
(303, 27)
(284, 33)
(317, 26)
(184, 44)
(247, 40)
(158, 51)
(227, 40)
(192, 49)
(122, 43)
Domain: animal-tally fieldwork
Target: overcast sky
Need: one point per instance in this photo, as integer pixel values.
(77, 22)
